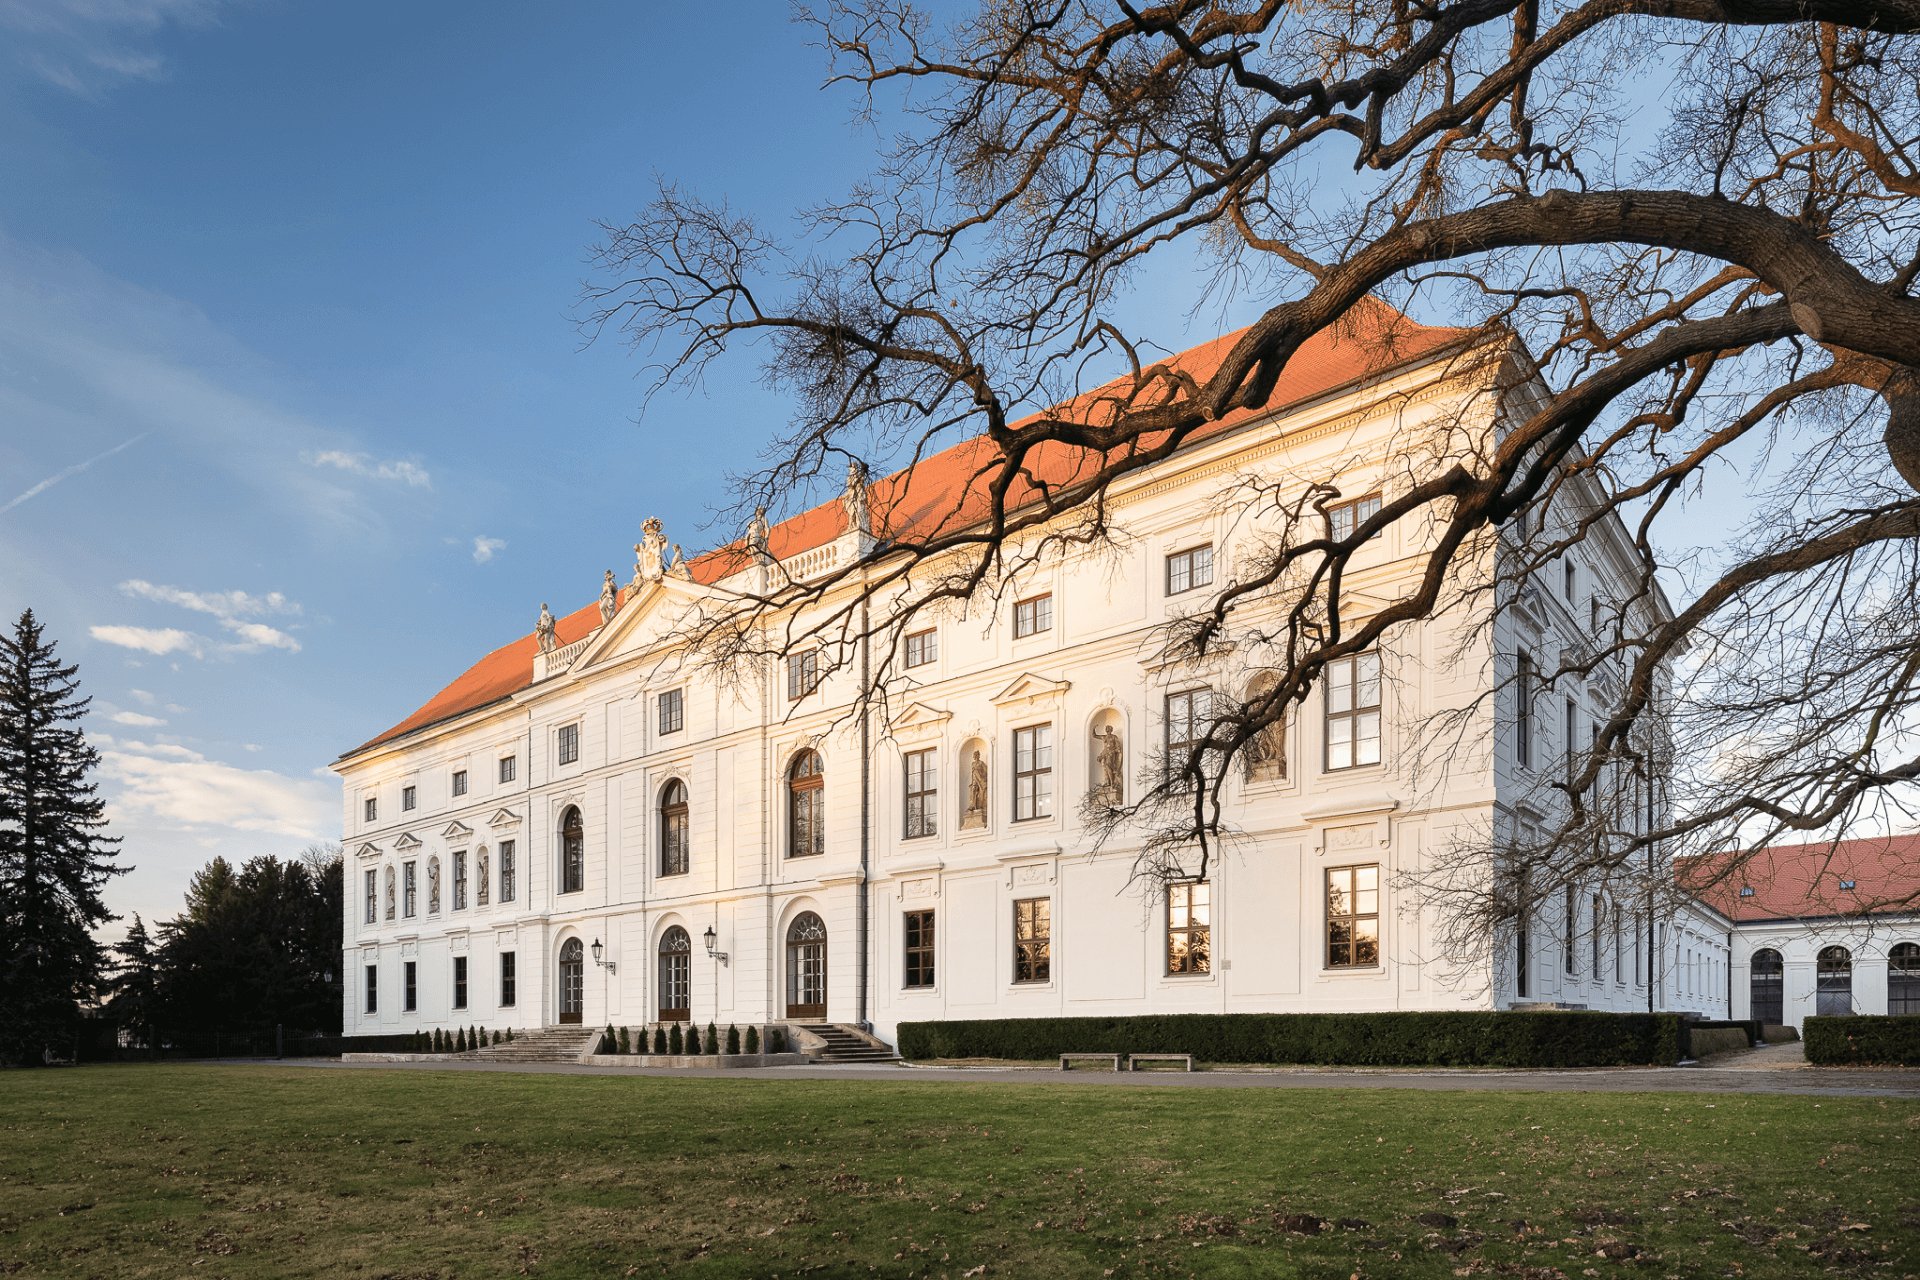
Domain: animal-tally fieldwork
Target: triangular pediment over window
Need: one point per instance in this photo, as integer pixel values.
(407, 843)
(506, 818)
(1030, 688)
(650, 614)
(366, 851)
(919, 716)
(456, 831)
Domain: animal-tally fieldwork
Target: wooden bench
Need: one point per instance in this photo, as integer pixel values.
(1112, 1058)
(1185, 1060)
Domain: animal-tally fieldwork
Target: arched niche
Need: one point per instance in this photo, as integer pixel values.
(1107, 758)
(975, 784)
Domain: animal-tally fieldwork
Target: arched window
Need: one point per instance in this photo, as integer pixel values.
(1903, 978)
(1833, 983)
(806, 810)
(673, 829)
(676, 975)
(573, 852)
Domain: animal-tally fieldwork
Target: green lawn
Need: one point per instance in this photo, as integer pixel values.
(261, 1171)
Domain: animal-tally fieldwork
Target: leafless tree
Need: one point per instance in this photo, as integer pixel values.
(1692, 221)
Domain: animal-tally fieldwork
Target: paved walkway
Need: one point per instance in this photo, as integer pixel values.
(1777, 1069)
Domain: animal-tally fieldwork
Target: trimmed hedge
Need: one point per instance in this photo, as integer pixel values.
(1864, 1040)
(1548, 1038)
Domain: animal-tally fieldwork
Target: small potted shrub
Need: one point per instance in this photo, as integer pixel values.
(626, 1045)
(509, 1035)
(753, 1040)
(659, 1039)
(733, 1038)
(460, 1040)
(713, 1039)
(675, 1041)
(778, 1040)
(693, 1039)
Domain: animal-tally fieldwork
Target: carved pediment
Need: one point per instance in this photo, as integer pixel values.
(642, 603)
(504, 820)
(1029, 689)
(366, 851)
(919, 716)
(456, 832)
(407, 843)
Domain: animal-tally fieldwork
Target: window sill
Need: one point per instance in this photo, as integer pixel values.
(1353, 971)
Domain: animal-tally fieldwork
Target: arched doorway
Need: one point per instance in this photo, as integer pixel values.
(1765, 985)
(1833, 983)
(806, 967)
(676, 975)
(573, 982)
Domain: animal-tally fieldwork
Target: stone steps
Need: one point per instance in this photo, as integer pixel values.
(549, 1044)
(844, 1044)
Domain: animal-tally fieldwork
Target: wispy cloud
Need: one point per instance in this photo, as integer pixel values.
(484, 548)
(236, 611)
(69, 473)
(88, 47)
(411, 474)
(158, 641)
(136, 719)
(177, 787)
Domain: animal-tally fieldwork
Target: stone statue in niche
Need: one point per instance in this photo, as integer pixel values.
(976, 812)
(433, 885)
(678, 569)
(1111, 756)
(757, 534)
(389, 893)
(650, 553)
(609, 599)
(854, 500)
(543, 630)
(1266, 752)
(480, 871)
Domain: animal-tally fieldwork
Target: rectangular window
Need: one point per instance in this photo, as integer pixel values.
(1598, 924)
(460, 880)
(1033, 940)
(1569, 580)
(803, 674)
(919, 952)
(1353, 711)
(459, 782)
(506, 980)
(923, 793)
(1619, 972)
(672, 711)
(1187, 717)
(373, 895)
(1573, 734)
(373, 809)
(1344, 518)
(922, 647)
(373, 988)
(1189, 569)
(1353, 917)
(1189, 928)
(410, 1000)
(1033, 772)
(1032, 616)
(1523, 717)
(568, 743)
(1572, 931)
(509, 768)
(506, 871)
(408, 888)
(459, 982)
(408, 798)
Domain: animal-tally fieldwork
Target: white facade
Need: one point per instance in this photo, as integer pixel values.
(1791, 983)
(1108, 945)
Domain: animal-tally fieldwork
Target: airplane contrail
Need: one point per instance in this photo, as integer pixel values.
(73, 470)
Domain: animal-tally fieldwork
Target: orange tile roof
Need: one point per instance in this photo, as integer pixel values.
(948, 491)
(1803, 881)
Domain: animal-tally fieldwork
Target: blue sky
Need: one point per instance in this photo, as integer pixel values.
(294, 419)
(294, 422)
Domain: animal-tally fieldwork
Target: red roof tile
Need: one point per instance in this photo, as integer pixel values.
(1799, 881)
(948, 491)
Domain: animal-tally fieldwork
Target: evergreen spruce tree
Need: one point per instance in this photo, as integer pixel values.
(134, 991)
(675, 1042)
(55, 855)
(753, 1039)
(713, 1039)
(659, 1039)
(733, 1038)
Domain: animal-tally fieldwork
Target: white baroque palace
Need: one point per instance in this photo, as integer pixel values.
(585, 828)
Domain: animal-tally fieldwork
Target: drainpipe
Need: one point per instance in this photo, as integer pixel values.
(866, 807)
(1652, 868)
